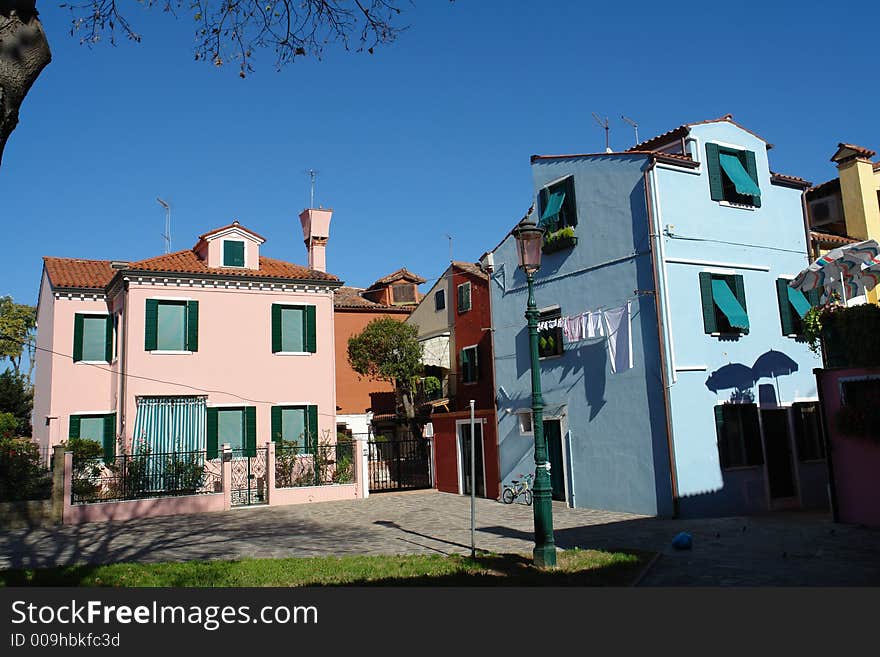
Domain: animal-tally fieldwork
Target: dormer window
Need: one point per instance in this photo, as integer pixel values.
(233, 253)
(405, 293)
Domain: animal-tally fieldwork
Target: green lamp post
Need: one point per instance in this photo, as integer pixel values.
(529, 240)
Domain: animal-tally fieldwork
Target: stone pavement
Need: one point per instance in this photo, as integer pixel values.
(792, 548)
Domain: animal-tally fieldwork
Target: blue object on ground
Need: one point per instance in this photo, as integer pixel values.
(683, 541)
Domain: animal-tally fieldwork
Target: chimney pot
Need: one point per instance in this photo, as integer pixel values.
(316, 232)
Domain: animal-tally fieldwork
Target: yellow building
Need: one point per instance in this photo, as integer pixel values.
(847, 208)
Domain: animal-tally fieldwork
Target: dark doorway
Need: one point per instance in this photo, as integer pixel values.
(553, 435)
(777, 443)
(464, 433)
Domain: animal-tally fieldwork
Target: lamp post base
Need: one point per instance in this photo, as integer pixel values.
(544, 556)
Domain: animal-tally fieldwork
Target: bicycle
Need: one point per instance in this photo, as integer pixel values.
(519, 487)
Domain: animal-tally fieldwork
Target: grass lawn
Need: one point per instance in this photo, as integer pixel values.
(575, 568)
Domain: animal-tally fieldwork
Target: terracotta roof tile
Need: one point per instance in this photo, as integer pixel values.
(234, 224)
(402, 273)
(684, 130)
(78, 273)
(831, 239)
(349, 298)
(827, 186)
(859, 151)
(670, 157)
(187, 262)
(471, 268)
(792, 180)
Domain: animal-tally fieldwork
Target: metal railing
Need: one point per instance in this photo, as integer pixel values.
(321, 465)
(144, 475)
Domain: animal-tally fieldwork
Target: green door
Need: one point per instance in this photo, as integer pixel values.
(553, 435)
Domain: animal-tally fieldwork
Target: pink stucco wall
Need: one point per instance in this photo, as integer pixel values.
(61, 387)
(856, 461)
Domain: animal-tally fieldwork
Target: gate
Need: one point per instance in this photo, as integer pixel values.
(398, 463)
(249, 480)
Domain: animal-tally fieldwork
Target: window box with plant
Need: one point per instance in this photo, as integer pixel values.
(558, 215)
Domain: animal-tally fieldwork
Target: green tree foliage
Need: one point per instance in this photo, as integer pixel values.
(17, 398)
(22, 475)
(18, 324)
(388, 350)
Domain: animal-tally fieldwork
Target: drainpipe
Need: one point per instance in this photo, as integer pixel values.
(123, 365)
(659, 303)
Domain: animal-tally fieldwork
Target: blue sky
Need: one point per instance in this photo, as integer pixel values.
(428, 137)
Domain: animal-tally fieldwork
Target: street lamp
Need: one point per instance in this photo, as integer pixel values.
(529, 240)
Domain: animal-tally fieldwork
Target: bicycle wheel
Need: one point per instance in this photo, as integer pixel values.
(528, 497)
(507, 496)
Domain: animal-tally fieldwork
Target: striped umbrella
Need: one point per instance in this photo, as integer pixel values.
(839, 267)
(867, 278)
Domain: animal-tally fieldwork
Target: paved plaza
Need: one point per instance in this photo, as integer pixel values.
(792, 548)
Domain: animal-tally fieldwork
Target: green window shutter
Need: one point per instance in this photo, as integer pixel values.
(151, 325)
(722, 436)
(713, 168)
(192, 325)
(709, 323)
(211, 431)
(785, 310)
(77, 338)
(276, 424)
(739, 291)
(570, 202)
(108, 345)
(476, 365)
(310, 331)
(73, 428)
(813, 297)
(250, 430)
(109, 437)
(752, 169)
(276, 328)
(233, 253)
(312, 429)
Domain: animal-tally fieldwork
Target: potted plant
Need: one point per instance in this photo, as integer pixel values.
(564, 238)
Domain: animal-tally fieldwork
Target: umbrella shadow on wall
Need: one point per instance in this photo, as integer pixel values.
(741, 378)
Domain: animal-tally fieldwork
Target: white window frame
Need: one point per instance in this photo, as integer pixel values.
(95, 313)
(458, 423)
(521, 414)
(476, 365)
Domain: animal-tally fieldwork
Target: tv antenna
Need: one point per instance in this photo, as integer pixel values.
(449, 237)
(634, 125)
(167, 235)
(313, 177)
(603, 123)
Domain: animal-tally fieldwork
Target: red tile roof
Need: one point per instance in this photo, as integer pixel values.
(857, 151)
(794, 181)
(78, 273)
(349, 298)
(187, 262)
(471, 268)
(234, 224)
(675, 158)
(684, 130)
(402, 273)
(831, 239)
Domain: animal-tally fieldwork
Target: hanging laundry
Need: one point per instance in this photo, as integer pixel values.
(592, 324)
(572, 329)
(617, 328)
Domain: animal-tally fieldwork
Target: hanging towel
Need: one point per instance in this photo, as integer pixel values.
(592, 324)
(572, 329)
(617, 328)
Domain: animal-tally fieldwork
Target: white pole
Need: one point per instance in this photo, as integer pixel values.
(473, 484)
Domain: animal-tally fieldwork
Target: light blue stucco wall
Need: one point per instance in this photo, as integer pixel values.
(613, 425)
(716, 234)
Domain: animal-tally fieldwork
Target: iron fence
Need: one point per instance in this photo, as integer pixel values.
(322, 465)
(138, 476)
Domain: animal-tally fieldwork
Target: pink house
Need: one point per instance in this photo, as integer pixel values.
(190, 350)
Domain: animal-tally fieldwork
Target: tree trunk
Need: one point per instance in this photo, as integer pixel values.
(24, 53)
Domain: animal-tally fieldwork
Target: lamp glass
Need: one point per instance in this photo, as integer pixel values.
(529, 240)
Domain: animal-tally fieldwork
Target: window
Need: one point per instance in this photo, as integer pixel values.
(793, 305)
(464, 297)
(171, 325)
(100, 427)
(115, 336)
(92, 338)
(293, 329)
(557, 205)
(525, 423)
(724, 303)
(808, 431)
(236, 427)
(739, 435)
(550, 337)
(233, 253)
(733, 175)
(403, 293)
(297, 424)
(470, 366)
(440, 300)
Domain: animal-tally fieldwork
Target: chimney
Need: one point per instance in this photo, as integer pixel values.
(858, 191)
(316, 232)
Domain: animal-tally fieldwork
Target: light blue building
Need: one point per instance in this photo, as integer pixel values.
(718, 412)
